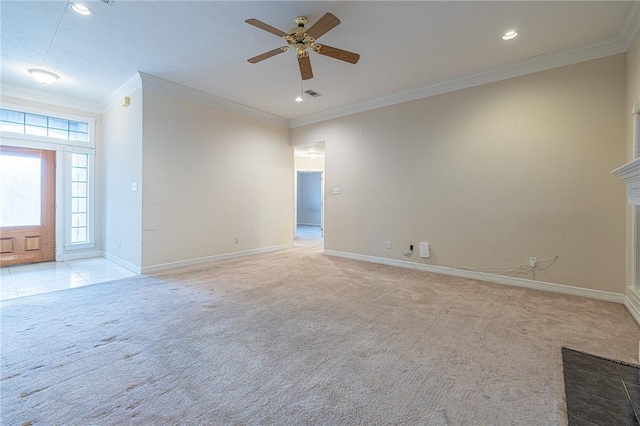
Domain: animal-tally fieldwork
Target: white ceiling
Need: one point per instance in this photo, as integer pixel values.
(404, 46)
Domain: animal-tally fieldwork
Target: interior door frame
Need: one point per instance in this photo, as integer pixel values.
(295, 199)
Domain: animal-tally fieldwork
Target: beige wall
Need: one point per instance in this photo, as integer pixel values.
(209, 176)
(122, 166)
(633, 89)
(633, 97)
(309, 164)
(488, 176)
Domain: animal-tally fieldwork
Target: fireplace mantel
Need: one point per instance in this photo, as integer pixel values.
(630, 173)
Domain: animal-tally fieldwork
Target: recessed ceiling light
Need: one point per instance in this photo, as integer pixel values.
(82, 10)
(510, 35)
(298, 99)
(42, 76)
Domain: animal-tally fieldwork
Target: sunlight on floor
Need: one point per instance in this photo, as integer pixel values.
(308, 236)
(37, 278)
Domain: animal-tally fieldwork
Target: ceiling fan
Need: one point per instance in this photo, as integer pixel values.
(301, 39)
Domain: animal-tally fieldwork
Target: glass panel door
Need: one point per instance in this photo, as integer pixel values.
(20, 190)
(27, 205)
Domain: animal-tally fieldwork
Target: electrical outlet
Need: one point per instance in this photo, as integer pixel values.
(389, 244)
(533, 262)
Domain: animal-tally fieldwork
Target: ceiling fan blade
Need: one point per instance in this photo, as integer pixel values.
(323, 25)
(334, 52)
(267, 55)
(266, 27)
(305, 67)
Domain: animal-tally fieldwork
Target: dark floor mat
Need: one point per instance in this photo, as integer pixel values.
(600, 391)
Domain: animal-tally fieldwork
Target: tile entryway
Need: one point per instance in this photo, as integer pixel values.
(37, 278)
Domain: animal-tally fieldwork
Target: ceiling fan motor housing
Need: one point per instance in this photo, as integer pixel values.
(298, 38)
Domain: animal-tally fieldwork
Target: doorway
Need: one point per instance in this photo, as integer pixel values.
(309, 208)
(27, 205)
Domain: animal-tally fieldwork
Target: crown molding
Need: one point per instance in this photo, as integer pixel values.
(527, 66)
(156, 83)
(131, 85)
(48, 98)
(631, 25)
(629, 30)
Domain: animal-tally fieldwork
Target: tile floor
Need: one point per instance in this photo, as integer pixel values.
(37, 278)
(599, 391)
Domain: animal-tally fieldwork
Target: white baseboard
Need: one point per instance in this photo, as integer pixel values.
(80, 255)
(632, 303)
(483, 276)
(124, 263)
(192, 262)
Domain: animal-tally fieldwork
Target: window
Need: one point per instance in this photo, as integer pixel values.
(73, 139)
(79, 198)
(42, 125)
(20, 188)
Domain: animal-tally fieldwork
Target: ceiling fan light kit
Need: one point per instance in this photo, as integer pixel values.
(300, 39)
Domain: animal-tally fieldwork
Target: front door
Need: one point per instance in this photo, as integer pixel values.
(27, 205)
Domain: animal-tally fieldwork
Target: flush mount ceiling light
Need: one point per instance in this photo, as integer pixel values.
(312, 153)
(82, 10)
(298, 99)
(42, 76)
(510, 35)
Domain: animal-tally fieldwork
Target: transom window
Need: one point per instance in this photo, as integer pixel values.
(42, 125)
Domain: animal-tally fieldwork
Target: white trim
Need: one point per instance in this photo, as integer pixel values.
(516, 69)
(629, 172)
(175, 89)
(631, 25)
(482, 276)
(42, 96)
(69, 247)
(192, 262)
(81, 255)
(127, 88)
(27, 143)
(60, 204)
(632, 303)
(634, 243)
(124, 263)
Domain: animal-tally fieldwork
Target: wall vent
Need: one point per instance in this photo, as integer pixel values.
(108, 1)
(313, 93)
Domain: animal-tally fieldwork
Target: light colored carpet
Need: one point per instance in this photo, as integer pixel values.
(296, 337)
